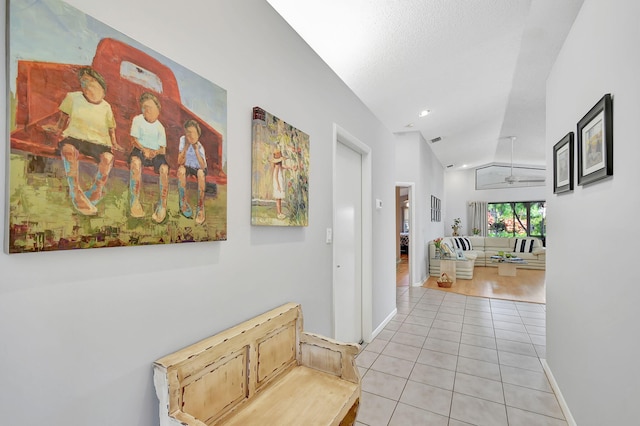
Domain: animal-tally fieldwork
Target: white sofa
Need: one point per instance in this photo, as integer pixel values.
(482, 248)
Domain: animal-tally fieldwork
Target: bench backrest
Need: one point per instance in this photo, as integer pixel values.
(208, 379)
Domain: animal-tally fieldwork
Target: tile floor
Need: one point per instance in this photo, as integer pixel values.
(449, 359)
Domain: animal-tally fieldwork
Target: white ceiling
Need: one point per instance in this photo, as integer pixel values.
(480, 66)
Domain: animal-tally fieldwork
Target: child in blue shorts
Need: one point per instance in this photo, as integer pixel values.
(191, 162)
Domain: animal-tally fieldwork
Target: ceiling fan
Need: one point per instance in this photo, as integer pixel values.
(501, 175)
(511, 179)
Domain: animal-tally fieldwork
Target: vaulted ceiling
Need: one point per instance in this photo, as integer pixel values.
(479, 67)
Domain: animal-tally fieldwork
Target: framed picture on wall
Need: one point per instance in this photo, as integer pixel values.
(435, 209)
(595, 142)
(279, 172)
(111, 143)
(563, 165)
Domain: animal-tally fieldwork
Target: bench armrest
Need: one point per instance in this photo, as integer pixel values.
(168, 418)
(328, 355)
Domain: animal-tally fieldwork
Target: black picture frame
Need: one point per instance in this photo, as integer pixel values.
(595, 142)
(435, 209)
(563, 164)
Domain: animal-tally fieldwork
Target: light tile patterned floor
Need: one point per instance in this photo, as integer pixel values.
(448, 359)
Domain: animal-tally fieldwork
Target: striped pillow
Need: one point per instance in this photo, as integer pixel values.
(524, 245)
(462, 243)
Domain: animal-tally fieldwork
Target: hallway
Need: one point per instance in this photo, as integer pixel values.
(449, 359)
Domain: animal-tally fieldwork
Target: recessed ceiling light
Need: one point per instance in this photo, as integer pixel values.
(464, 166)
(424, 113)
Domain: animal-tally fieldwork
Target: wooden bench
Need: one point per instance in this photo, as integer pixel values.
(265, 371)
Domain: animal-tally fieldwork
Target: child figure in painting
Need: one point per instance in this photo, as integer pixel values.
(191, 162)
(149, 142)
(88, 127)
(278, 182)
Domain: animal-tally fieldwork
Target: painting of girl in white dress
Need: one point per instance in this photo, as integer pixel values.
(280, 172)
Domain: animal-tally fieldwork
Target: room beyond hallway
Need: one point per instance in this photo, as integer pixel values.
(451, 360)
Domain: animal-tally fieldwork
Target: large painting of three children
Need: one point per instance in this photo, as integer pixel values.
(114, 146)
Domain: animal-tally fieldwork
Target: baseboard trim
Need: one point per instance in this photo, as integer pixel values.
(421, 282)
(384, 324)
(554, 385)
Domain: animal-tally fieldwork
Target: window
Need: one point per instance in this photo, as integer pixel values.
(516, 219)
(140, 76)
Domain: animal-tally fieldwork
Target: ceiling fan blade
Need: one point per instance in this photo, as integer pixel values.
(532, 180)
(514, 179)
(495, 185)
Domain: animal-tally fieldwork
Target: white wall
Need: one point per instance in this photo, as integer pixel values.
(593, 311)
(460, 189)
(416, 163)
(80, 329)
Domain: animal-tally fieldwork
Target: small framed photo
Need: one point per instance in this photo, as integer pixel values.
(563, 165)
(595, 142)
(435, 209)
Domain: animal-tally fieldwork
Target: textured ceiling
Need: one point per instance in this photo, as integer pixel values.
(479, 66)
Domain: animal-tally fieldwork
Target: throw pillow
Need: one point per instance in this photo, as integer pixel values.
(447, 250)
(463, 243)
(524, 245)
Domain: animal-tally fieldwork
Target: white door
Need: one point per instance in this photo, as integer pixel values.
(347, 242)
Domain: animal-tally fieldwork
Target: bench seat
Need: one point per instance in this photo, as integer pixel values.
(264, 371)
(303, 396)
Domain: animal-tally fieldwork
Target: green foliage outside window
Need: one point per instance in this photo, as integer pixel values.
(516, 219)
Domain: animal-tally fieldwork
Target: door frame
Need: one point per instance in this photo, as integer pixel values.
(412, 229)
(342, 136)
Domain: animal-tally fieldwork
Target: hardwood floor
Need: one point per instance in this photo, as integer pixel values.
(527, 286)
(402, 271)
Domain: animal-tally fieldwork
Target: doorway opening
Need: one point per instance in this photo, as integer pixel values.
(402, 236)
(405, 231)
